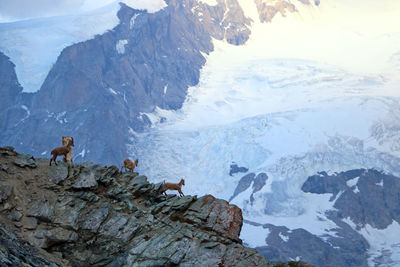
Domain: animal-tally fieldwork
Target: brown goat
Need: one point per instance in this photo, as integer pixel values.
(173, 186)
(61, 151)
(128, 164)
(65, 141)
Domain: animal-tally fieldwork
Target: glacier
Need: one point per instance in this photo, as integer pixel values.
(315, 90)
(290, 103)
(332, 134)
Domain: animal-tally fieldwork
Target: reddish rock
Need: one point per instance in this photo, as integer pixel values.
(217, 215)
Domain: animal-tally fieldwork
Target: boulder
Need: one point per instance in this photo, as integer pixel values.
(217, 215)
(8, 151)
(15, 216)
(47, 238)
(42, 209)
(86, 180)
(13, 252)
(91, 218)
(30, 223)
(58, 173)
(5, 192)
(27, 160)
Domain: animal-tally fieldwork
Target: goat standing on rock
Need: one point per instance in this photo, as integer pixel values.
(61, 151)
(128, 164)
(65, 141)
(173, 186)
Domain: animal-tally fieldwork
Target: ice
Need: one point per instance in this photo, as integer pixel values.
(120, 46)
(151, 6)
(28, 112)
(352, 182)
(132, 21)
(209, 2)
(384, 243)
(283, 237)
(82, 153)
(288, 118)
(254, 235)
(112, 91)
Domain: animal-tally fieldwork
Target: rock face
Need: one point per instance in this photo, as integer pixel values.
(13, 252)
(267, 10)
(11, 111)
(283, 244)
(100, 90)
(361, 198)
(121, 221)
(10, 88)
(236, 169)
(367, 196)
(247, 180)
(25, 161)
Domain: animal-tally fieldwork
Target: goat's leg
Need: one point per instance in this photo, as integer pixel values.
(180, 193)
(53, 158)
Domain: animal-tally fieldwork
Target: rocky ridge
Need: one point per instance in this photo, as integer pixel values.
(362, 199)
(268, 9)
(100, 217)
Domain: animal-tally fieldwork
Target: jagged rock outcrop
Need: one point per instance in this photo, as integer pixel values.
(258, 182)
(267, 9)
(347, 249)
(12, 110)
(234, 168)
(13, 252)
(10, 88)
(367, 196)
(362, 200)
(120, 220)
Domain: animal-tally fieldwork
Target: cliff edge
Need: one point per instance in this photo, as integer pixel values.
(100, 217)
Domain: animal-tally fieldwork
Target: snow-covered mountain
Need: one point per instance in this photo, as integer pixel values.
(289, 108)
(287, 120)
(332, 134)
(33, 45)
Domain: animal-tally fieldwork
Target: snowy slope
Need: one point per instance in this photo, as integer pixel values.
(333, 134)
(295, 100)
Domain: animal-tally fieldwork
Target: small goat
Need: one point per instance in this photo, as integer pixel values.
(62, 150)
(65, 141)
(173, 186)
(128, 164)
